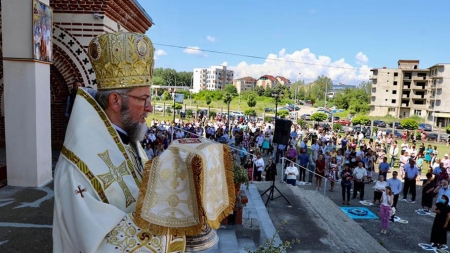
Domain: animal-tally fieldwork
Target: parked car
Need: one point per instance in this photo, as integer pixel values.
(379, 123)
(344, 122)
(336, 119)
(294, 107)
(158, 108)
(269, 109)
(432, 136)
(306, 117)
(425, 127)
(396, 125)
(397, 134)
(443, 138)
(237, 114)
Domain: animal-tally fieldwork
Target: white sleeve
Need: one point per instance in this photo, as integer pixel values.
(87, 224)
(80, 224)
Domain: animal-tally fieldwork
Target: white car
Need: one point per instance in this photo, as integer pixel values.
(237, 114)
(158, 108)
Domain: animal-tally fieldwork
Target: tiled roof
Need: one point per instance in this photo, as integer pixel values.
(284, 79)
(271, 78)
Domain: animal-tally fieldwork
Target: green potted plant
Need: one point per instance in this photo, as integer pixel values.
(240, 176)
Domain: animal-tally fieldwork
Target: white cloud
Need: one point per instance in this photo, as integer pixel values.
(224, 63)
(211, 38)
(308, 64)
(361, 58)
(195, 51)
(159, 52)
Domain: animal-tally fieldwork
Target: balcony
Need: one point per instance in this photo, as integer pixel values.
(406, 78)
(406, 87)
(419, 78)
(374, 77)
(406, 96)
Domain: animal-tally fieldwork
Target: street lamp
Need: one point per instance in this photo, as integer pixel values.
(228, 100)
(174, 94)
(277, 95)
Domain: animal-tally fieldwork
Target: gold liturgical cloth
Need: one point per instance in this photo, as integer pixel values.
(190, 184)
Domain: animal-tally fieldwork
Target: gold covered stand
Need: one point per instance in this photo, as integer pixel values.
(206, 240)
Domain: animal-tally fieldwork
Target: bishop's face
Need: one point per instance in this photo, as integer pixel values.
(135, 108)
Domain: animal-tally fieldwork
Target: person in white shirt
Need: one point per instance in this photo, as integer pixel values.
(379, 189)
(387, 200)
(259, 166)
(359, 175)
(291, 173)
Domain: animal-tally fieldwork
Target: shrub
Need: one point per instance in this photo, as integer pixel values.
(283, 113)
(360, 120)
(250, 112)
(337, 127)
(189, 112)
(447, 129)
(319, 116)
(409, 123)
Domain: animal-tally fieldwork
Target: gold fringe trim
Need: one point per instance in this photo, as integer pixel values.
(143, 224)
(198, 174)
(228, 166)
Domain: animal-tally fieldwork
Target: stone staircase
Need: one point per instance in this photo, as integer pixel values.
(255, 229)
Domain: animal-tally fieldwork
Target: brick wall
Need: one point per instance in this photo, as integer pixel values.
(125, 12)
(59, 93)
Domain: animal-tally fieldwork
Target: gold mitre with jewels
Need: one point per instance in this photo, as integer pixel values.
(122, 60)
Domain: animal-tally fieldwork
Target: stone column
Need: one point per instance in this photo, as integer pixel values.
(27, 99)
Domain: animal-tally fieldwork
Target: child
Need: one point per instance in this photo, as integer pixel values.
(419, 164)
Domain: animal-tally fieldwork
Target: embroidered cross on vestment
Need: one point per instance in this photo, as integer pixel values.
(80, 191)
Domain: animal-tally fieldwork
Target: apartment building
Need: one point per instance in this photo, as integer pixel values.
(212, 78)
(409, 90)
(283, 81)
(245, 83)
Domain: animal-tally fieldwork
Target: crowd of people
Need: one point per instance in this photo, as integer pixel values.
(340, 158)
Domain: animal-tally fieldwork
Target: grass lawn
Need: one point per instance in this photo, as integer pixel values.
(234, 105)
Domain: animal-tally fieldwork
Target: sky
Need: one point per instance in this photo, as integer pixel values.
(299, 40)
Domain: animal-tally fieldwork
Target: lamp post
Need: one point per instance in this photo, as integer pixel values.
(277, 95)
(228, 100)
(174, 94)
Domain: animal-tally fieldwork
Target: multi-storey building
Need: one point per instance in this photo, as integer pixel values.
(212, 78)
(408, 90)
(283, 81)
(245, 83)
(267, 81)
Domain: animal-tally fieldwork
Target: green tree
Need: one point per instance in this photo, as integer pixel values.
(319, 116)
(189, 112)
(208, 100)
(230, 89)
(447, 129)
(337, 127)
(361, 120)
(251, 100)
(283, 113)
(259, 90)
(320, 86)
(166, 95)
(250, 112)
(157, 80)
(268, 92)
(227, 100)
(409, 123)
(178, 106)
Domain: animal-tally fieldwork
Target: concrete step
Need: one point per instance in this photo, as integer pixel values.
(245, 243)
(228, 242)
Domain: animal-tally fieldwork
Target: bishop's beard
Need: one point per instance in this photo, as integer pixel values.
(135, 129)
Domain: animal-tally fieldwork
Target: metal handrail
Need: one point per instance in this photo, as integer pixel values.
(326, 179)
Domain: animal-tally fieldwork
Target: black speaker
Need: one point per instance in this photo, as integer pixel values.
(282, 131)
